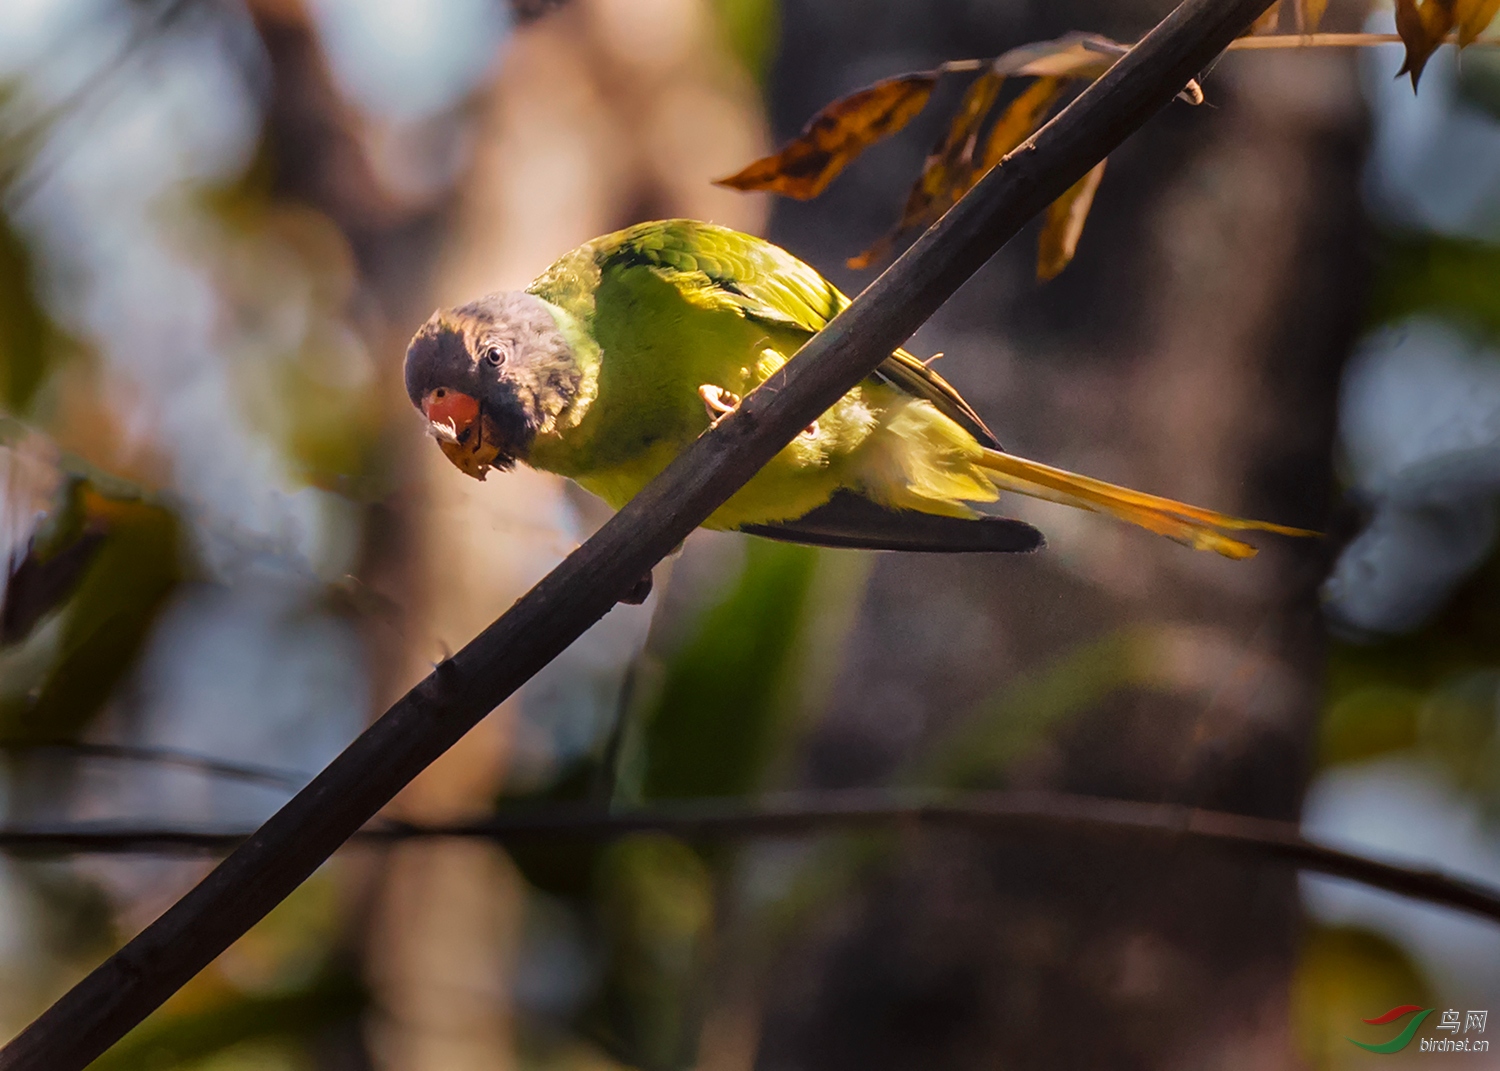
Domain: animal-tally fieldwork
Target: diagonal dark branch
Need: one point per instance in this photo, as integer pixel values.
(798, 814)
(463, 689)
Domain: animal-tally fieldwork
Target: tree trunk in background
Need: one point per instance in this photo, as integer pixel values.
(601, 111)
(1193, 350)
(435, 929)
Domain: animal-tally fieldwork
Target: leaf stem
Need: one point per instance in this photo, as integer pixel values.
(1334, 40)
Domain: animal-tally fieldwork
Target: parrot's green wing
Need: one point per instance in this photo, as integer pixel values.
(849, 520)
(761, 281)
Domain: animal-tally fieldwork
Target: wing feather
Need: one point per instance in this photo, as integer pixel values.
(764, 282)
(850, 520)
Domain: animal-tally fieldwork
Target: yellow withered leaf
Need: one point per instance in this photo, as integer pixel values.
(840, 132)
(874, 255)
(948, 170)
(963, 132)
(1473, 17)
(835, 136)
(1064, 224)
(1269, 20)
(1074, 55)
(1422, 29)
(954, 164)
(1021, 118)
(1310, 15)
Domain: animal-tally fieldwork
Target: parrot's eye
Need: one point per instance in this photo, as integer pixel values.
(496, 356)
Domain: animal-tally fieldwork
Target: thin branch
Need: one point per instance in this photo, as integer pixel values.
(252, 773)
(1266, 42)
(814, 813)
(429, 719)
(1336, 40)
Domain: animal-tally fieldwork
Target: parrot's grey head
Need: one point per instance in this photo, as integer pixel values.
(489, 376)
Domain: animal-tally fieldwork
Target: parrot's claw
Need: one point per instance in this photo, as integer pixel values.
(718, 401)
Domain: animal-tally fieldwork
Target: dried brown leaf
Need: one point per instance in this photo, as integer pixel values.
(924, 203)
(948, 171)
(1422, 29)
(835, 136)
(1310, 15)
(963, 132)
(1020, 120)
(874, 255)
(840, 132)
(1269, 21)
(952, 168)
(1473, 17)
(1064, 225)
(1074, 55)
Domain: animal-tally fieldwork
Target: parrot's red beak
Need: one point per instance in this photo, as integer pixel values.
(450, 414)
(467, 436)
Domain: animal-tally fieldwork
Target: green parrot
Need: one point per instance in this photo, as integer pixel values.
(632, 345)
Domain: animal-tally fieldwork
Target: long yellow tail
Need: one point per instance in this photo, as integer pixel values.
(1190, 525)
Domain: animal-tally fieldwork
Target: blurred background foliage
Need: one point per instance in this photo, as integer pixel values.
(229, 546)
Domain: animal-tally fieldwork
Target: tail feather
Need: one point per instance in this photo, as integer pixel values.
(1201, 529)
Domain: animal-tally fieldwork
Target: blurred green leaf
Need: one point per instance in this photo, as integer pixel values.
(1369, 721)
(74, 915)
(1343, 976)
(26, 334)
(708, 720)
(167, 1041)
(1431, 274)
(752, 30)
(1479, 79)
(281, 982)
(977, 749)
(313, 387)
(723, 696)
(1433, 690)
(564, 868)
(656, 904)
(53, 684)
(1457, 725)
(1002, 728)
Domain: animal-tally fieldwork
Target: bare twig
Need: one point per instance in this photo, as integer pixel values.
(437, 712)
(1334, 40)
(161, 756)
(795, 814)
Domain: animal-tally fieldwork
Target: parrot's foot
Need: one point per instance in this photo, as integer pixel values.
(637, 595)
(718, 401)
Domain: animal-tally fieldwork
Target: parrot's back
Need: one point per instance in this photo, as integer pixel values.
(676, 306)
